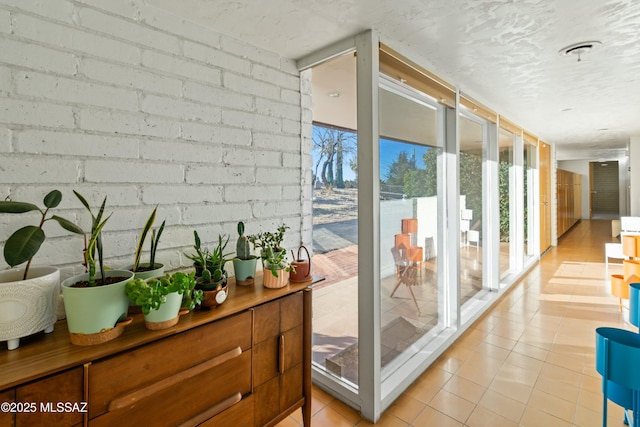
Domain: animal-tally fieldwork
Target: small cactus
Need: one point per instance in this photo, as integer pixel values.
(243, 250)
(217, 275)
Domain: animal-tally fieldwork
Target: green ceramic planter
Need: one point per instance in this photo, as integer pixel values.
(245, 270)
(147, 274)
(167, 315)
(96, 314)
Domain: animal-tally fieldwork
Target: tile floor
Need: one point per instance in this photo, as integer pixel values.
(529, 361)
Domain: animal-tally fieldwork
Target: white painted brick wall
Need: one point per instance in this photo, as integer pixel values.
(72, 91)
(124, 100)
(128, 31)
(15, 52)
(5, 140)
(125, 76)
(5, 21)
(67, 143)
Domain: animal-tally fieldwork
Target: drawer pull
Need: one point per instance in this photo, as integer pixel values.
(131, 398)
(281, 358)
(213, 411)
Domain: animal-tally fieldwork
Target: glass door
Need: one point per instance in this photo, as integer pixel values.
(530, 168)
(411, 186)
(473, 133)
(335, 220)
(507, 209)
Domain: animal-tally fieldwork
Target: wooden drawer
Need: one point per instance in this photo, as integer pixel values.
(278, 355)
(65, 387)
(278, 316)
(239, 415)
(198, 348)
(267, 355)
(184, 400)
(7, 418)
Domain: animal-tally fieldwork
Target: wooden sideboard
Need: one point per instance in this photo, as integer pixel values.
(244, 363)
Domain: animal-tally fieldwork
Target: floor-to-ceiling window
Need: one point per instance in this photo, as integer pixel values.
(530, 168)
(411, 139)
(473, 140)
(335, 219)
(506, 189)
(418, 216)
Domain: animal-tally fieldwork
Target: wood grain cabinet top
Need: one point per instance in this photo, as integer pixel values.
(209, 369)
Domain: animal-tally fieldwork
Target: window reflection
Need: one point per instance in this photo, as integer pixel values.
(410, 152)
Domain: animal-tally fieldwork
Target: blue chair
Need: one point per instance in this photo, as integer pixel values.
(617, 356)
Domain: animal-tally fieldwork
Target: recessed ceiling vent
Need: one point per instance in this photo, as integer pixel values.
(579, 49)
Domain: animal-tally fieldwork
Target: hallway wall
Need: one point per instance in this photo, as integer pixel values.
(582, 167)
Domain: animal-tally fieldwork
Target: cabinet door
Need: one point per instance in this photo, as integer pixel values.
(7, 418)
(277, 357)
(64, 388)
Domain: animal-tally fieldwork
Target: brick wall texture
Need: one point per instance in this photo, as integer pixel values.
(119, 99)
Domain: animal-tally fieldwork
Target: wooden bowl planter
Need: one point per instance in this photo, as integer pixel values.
(96, 314)
(214, 293)
(27, 306)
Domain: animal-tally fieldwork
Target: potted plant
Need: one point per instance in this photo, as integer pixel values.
(96, 302)
(276, 268)
(152, 268)
(29, 295)
(164, 299)
(274, 257)
(211, 277)
(244, 264)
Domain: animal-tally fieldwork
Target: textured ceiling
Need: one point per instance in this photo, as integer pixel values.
(504, 53)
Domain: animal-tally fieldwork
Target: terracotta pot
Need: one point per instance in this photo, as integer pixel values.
(273, 282)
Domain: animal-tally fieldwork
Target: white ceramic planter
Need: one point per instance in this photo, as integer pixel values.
(27, 306)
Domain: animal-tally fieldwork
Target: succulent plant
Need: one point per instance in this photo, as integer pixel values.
(243, 247)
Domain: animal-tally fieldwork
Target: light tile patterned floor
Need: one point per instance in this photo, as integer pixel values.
(528, 362)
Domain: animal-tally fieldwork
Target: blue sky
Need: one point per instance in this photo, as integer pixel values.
(389, 151)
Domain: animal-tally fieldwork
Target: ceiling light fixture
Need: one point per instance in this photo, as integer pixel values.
(580, 49)
(334, 95)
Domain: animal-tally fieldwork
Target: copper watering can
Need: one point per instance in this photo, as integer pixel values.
(302, 267)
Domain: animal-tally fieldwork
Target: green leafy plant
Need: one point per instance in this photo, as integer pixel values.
(274, 256)
(94, 244)
(25, 242)
(269, 239)
(155, 239)
(276, 260)
(150, 294)
(243, 245)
